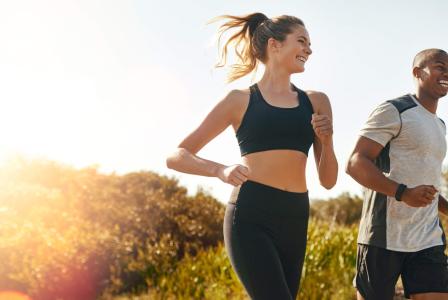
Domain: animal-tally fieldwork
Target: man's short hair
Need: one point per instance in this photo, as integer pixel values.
(423, 57)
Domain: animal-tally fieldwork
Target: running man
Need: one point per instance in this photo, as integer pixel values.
(398, 159)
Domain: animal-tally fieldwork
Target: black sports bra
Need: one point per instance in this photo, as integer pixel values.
(268, 127)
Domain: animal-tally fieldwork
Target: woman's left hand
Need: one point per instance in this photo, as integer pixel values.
(323, 127)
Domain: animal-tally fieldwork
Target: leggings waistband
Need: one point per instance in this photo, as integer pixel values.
(257, 195)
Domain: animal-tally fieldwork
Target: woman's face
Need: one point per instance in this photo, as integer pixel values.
(294, 51)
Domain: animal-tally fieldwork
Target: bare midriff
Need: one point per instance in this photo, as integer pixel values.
(282, 169)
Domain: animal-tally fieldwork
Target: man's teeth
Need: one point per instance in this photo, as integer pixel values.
(444, 83)
(301, 58)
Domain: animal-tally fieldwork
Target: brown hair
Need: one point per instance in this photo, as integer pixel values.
(251, 40)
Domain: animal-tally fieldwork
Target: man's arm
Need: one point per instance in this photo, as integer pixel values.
(361, 167)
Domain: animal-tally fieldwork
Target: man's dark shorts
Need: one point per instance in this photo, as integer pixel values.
(378, 269)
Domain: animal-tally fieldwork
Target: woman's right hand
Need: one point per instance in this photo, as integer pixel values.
(234, 174)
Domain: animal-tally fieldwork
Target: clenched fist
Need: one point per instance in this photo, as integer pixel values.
(419, 196)
(234, 175)
(323, 127)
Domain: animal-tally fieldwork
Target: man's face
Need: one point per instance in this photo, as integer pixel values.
(433, 77)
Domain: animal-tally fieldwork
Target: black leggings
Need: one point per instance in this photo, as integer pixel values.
(265, 231)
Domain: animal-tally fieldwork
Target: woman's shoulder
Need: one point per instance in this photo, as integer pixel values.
(238, 94)
(237, 97)
(319, 100)
(236, 103)
(317, 96)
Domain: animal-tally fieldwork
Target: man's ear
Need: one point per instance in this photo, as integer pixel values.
(417, 72)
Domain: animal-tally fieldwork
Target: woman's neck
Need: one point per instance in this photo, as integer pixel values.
(276, 81)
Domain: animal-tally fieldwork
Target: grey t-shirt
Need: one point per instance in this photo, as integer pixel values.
(414, 148)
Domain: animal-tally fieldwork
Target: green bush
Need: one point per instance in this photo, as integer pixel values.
(79, 234)
(344, 209)
(76, 234)
(327, 274)
(330, 262)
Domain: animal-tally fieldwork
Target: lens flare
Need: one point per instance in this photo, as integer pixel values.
(10, 295)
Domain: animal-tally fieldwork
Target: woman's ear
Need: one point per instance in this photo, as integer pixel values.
(274, 45)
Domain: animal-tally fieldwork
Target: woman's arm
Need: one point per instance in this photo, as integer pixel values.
(185, 160)
(443, 205)
(326, 162)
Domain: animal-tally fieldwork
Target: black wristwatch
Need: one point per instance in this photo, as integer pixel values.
(400, 190)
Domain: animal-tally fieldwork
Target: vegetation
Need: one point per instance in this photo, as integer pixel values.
(79, 234)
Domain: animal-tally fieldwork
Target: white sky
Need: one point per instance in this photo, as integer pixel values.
(120, 83)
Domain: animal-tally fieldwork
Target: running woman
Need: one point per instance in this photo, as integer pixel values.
(276, 123)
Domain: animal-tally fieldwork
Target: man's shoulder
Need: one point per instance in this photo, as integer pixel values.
(402, 103)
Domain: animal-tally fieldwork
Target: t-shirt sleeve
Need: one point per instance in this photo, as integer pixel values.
(383, 124)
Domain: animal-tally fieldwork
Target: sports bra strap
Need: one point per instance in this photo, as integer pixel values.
(304, 97)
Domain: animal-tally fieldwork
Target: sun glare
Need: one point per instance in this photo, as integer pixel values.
(9, 295)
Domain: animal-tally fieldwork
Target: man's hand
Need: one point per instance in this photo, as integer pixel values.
(419, 196)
